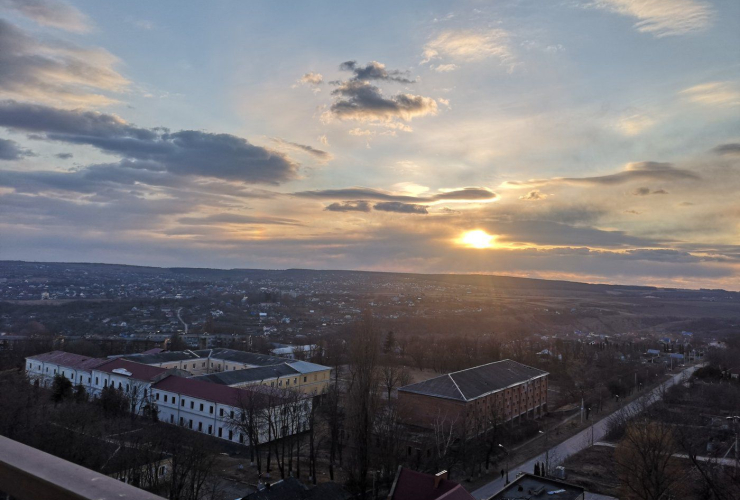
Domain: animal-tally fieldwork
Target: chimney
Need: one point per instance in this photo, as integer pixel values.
(439, 476)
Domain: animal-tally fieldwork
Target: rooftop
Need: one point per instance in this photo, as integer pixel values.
(249, 375)
(137, 370)
(412, 485)
(68, 359)
(473, 383)
(531, 487)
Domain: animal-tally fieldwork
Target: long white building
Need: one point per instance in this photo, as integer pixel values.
(211, 408)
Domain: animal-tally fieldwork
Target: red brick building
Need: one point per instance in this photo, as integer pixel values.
(494, 393)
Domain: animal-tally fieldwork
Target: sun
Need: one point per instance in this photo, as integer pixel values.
(477, 239)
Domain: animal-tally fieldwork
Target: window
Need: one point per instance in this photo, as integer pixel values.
(200, 426)
(295, 380)
(191, 423)
(105, 383)
(210, 429)
(172, 419)
(96, 381)
(174, 400)
(220, 412)
(180, 420)
(193, 365)
(280, 383)
(204, 364)
(287, 382)
(192, 405)
(231, 434)
(241, 437)
(144, 392)
(231, 414)
(158, 396)
(162, 470)
(165, 397)
(304, 379)
(182, 402)
(220, 432)
(201, 407)
(89, 380)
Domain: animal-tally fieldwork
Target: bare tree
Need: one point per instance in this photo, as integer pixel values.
(645, 462)
(362, 400)
(393, 375)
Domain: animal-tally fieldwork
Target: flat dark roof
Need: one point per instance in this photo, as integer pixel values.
(531, 487)
(475, 382)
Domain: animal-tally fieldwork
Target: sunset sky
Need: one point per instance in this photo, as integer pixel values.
(589, 140)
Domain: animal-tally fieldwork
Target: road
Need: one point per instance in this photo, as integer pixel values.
(576, 443)
(181, 321)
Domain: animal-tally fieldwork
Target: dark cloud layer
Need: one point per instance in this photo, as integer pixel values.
(401, 208)
(9, 150)
(639, 171)
(645, 191)
(728, 149)
(316, 153)
(183, 153)
(349, 206)
(469, 194)
(55, 71)
(227, 218)
(359, 100)
(374, 71)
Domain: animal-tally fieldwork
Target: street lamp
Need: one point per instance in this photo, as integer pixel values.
(507, 461)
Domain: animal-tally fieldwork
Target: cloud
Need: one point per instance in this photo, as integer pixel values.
(227, 218)
(730, 149)
(634, 124)
(362, 101)
(661, 17)
(469, 46)
(645, 191)
(319, 154)
(183, 153)
(444, 68)
(464, 194)
(713, 94)
(374, 71)
(401, 208)
(533, 195)
(64, 156)
(644, 170)
(52, 13)
(312, 78)
(349, 206)
(55, 71)
(9, 150)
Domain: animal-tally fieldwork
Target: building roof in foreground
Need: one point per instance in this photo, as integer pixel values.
(292, 489)
(473, 383)
(531, 487)
(258, 374)
(68, 360)
(412, 485)
(136, 370)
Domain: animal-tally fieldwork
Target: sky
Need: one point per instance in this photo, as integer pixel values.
(586, 140)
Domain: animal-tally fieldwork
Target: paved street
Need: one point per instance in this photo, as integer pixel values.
(574, 444)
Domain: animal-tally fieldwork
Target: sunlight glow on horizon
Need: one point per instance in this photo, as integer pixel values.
(477, 239)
